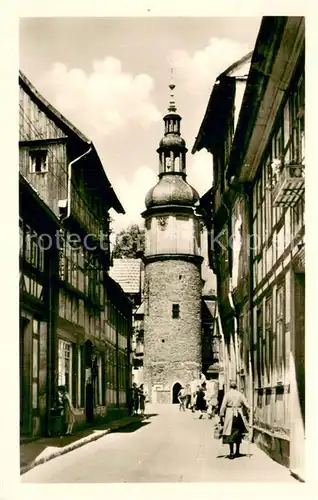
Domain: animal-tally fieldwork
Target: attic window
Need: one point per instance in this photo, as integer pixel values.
(175, 311)
(38, 161)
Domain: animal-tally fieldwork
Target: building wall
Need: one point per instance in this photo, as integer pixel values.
(36, 302)
(52, 184)
(279, 231)
(34, 123)
(271, 314)
(87, 308)
(172, 345)
(38, 132)
(172, 234)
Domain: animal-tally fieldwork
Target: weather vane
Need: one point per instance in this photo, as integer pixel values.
(172, 86)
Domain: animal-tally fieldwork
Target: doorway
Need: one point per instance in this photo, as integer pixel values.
(25, 375)
(175, 391)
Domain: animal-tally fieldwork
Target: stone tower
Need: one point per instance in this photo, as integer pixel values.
(172, 287)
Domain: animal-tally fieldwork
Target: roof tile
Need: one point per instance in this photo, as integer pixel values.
(127, 272)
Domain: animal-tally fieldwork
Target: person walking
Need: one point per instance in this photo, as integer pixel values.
(130, 401)
(232, 419)
(68, 410)
(142, 399)
(135, 398)
(194, 387)
(182, 398)
(188, 396)
(201, 403)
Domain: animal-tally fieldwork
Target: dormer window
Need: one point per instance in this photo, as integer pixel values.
(38, 161)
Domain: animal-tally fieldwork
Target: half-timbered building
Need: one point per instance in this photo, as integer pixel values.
(92, 325)
(259, 247)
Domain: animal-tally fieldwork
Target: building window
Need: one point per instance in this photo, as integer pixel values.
(175, 311)
(65, 365)
(260, 346)
(268, 338)
(98, 389)
(280, 331)
(268, 198)
(38, 161)
(34, 251)
(35, 363)
(21, 236)
(297, 105)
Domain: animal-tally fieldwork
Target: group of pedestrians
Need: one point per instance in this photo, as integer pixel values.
(232, 412)
(136, 400)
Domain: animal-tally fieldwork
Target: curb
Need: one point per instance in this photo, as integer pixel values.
(297, 476)
(74, 446)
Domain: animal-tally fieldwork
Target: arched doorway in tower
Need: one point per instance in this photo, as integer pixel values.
(175, 391)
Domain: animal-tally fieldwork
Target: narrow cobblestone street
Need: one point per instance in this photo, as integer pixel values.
(170, 446)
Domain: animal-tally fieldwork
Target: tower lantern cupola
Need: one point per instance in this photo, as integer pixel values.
(172, 148)
(172, 188)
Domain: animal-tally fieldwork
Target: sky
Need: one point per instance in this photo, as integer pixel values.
(110, 76)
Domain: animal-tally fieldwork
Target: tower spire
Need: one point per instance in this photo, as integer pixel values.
(172, 86)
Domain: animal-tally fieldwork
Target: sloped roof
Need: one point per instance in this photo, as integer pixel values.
(24, 183)
(222, 96)
(70, 129)
(65, 124)
(127, 273)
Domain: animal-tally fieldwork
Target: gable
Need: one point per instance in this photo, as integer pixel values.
(34, 124)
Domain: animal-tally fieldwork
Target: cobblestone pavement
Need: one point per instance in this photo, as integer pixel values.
(170, 446)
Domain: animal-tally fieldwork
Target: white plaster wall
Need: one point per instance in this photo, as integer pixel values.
(180, 235)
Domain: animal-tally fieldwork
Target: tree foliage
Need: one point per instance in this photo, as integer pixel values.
(130, 242)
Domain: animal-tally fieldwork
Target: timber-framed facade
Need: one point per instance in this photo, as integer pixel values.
(258, 221)
(88, 317)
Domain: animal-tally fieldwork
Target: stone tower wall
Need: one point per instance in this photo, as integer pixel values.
(172, 346)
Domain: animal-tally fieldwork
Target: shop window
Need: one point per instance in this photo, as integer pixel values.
(65, 365)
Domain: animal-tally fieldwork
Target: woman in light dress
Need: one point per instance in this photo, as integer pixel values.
(233, 419)
(68, 409)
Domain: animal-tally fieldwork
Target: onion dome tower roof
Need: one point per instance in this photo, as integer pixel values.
(172, 188)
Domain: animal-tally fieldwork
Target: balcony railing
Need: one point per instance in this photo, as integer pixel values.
(289, 186)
